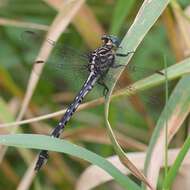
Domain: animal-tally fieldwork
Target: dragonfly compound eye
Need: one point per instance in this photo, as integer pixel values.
(115, 40)
(111, 39)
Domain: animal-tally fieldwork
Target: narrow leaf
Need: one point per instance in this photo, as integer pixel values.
(144, 20)
(54, 144)
(175, 167)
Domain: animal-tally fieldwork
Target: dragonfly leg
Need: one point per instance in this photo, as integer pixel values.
(115, 66)
(124, 55)
(106, 89)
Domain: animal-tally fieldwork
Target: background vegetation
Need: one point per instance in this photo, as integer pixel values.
(138, 121)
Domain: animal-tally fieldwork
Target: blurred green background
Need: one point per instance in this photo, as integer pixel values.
(56, 90)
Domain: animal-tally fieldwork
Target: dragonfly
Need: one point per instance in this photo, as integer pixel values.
(100, 61)
(95, 66)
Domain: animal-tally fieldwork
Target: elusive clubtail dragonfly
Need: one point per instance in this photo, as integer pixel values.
(99, 62)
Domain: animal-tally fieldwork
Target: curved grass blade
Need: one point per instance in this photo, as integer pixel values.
(145, 19)
(52, 144)
(166, 126)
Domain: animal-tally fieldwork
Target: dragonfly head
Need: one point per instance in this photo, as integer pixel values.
(110, 40)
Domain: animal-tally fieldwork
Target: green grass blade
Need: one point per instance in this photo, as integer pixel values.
(166, 117)
(175, 168)
(53, 144)
(144, 20)
(173, 72)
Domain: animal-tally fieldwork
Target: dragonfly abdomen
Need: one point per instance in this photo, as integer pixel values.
(88, 85)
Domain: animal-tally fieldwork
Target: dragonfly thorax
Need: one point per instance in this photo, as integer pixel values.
(101, 59)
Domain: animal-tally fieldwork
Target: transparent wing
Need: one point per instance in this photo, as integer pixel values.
(131, 74)
(68, 66)
(65, 62)
(31, 38)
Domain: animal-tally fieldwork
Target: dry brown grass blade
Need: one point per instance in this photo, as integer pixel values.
(90, 104)
(21, 24)
(172, 34)
(182, 25)
(135, 171)
(85, 22)
(94, 176)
